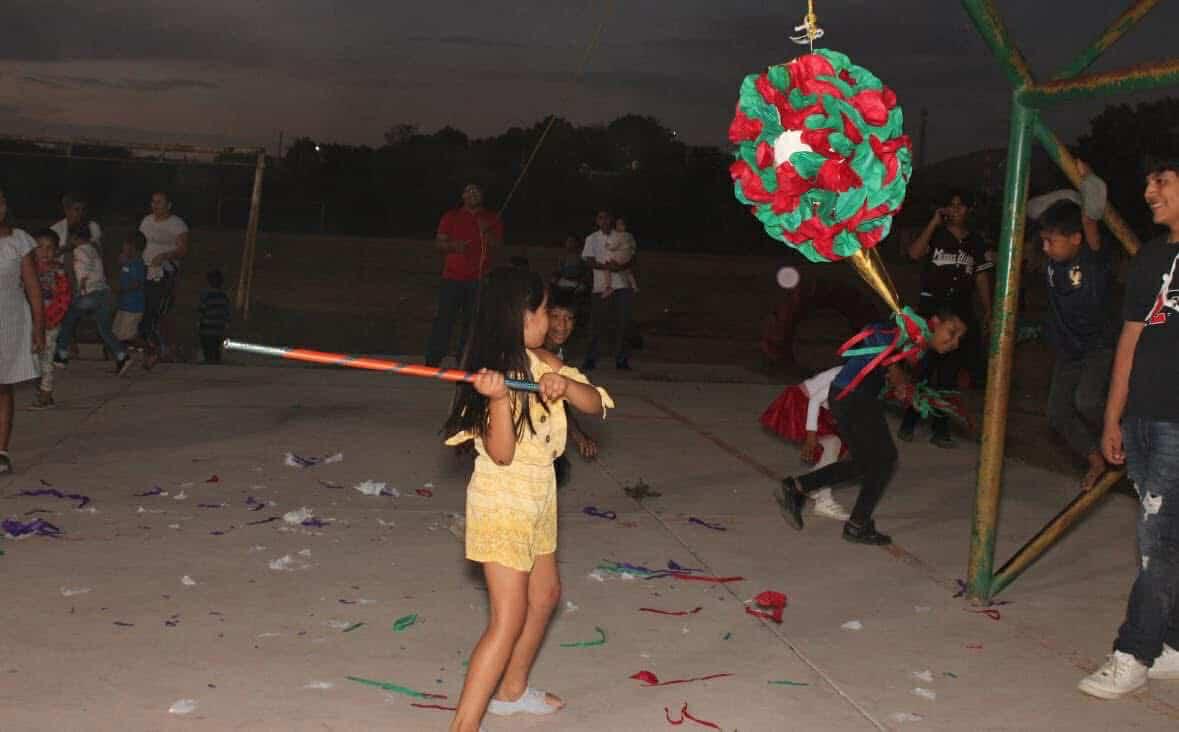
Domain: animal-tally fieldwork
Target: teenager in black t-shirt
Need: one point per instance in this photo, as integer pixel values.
(1142, 430)
(954, 274)
(1081, 329)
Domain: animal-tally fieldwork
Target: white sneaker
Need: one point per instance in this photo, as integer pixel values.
(826, 506)
(1122, 674)
(1166, 666)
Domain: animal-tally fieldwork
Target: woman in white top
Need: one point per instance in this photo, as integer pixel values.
(167, 244)
(22, 325)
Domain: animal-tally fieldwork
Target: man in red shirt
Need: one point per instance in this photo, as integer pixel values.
(466, 235)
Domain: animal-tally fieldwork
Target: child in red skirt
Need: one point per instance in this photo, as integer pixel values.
(800, 414)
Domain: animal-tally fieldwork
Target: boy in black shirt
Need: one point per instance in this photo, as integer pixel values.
(954, 274)
(1080, 329)
(1142, 430)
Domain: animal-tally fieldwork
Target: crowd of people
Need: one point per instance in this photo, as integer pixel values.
(53, 279)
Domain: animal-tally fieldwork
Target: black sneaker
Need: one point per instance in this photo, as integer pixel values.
(60, 362)
(562, 468)
(122, 365)
(5, 463)
(944, 441)
(866, 534)
(791, 501)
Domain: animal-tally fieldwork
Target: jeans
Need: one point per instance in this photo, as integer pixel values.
(99, 305)
(618, 308)
(456, 300)
(873, 455)
(1076, 399)
(158, 296)
(1152, 613)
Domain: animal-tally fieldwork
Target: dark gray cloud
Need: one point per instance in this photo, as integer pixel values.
(137, 85)
(346, 71)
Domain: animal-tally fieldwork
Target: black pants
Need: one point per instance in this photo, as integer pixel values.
(211, 346)
(860, 416)
(456, 303)
(158, 296)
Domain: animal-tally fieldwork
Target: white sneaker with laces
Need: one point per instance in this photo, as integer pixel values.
(826, 506)
(1166, 666)
(1121, 674)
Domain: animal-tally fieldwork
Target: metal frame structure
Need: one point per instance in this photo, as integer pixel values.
(246, 275)
(1027, 98)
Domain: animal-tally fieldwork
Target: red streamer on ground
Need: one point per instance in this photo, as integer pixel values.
(669, 612)
(425, 492)
(650, 679)
(990, 612)
(434, 706)
(214, 479)
(773, 602)
(684, 714)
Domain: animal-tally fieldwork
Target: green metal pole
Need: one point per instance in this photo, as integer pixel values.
(1115, 31)
(1060, 155)
(990, 26)
(1003, 327)
(1145, 77)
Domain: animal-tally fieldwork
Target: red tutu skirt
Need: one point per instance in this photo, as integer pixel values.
(786, 416)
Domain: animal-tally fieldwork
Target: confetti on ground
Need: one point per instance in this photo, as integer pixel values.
(155, 491)
(929, 694)
(14, 529)
(773, 602)
(395, 688)
(601, 640)
(852, 625)
(900, 717)
(570, 607)
(433, 706)
(926, 676)
(670, 612)
(650, 679)
(787, 682)
(82, 500)
(187, 581)
(599, 513)
(353, 627)
(214, 479)
(400, 625)
(951, 674)
(183, 706)
(705, 524)
(684, 715)
(71, 591)
(296, 461)
(373, 488)
(425, 492)
(297, 517)
(641, 490)
(319, 685)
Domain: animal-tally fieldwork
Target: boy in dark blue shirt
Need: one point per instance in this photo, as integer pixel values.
(1081, 329)
(860, 416)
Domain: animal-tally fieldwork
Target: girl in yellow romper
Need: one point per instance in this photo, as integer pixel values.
(512, 496)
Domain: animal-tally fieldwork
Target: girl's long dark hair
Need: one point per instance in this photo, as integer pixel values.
(496, 342)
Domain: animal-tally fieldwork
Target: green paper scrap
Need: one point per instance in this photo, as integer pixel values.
(787, 682)
(388, 686)
(401, 624)
(352, 627)
(951, 674)
(727, 636)
(586, 644)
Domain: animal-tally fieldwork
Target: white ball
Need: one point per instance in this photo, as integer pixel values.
(788, 278)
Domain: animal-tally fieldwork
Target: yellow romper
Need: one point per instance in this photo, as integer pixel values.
(512, 509)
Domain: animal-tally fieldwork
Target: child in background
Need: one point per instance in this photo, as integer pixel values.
(215, 315)
(801, 414)
(512, 497)
(132, 274)
(92, 297)
(620, 250)
(571, 271)
(562, 319)
(859, 415)
(56, 294)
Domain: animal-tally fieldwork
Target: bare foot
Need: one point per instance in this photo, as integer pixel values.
(1097, 468)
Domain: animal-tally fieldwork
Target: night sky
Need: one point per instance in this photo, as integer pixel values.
(223, 72)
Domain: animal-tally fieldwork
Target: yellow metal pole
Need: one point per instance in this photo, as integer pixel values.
(1052, 531)
(246, 276)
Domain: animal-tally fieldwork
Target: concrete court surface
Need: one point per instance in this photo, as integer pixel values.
(101, 633)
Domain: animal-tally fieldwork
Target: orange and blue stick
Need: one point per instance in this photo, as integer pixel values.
(371, 364)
